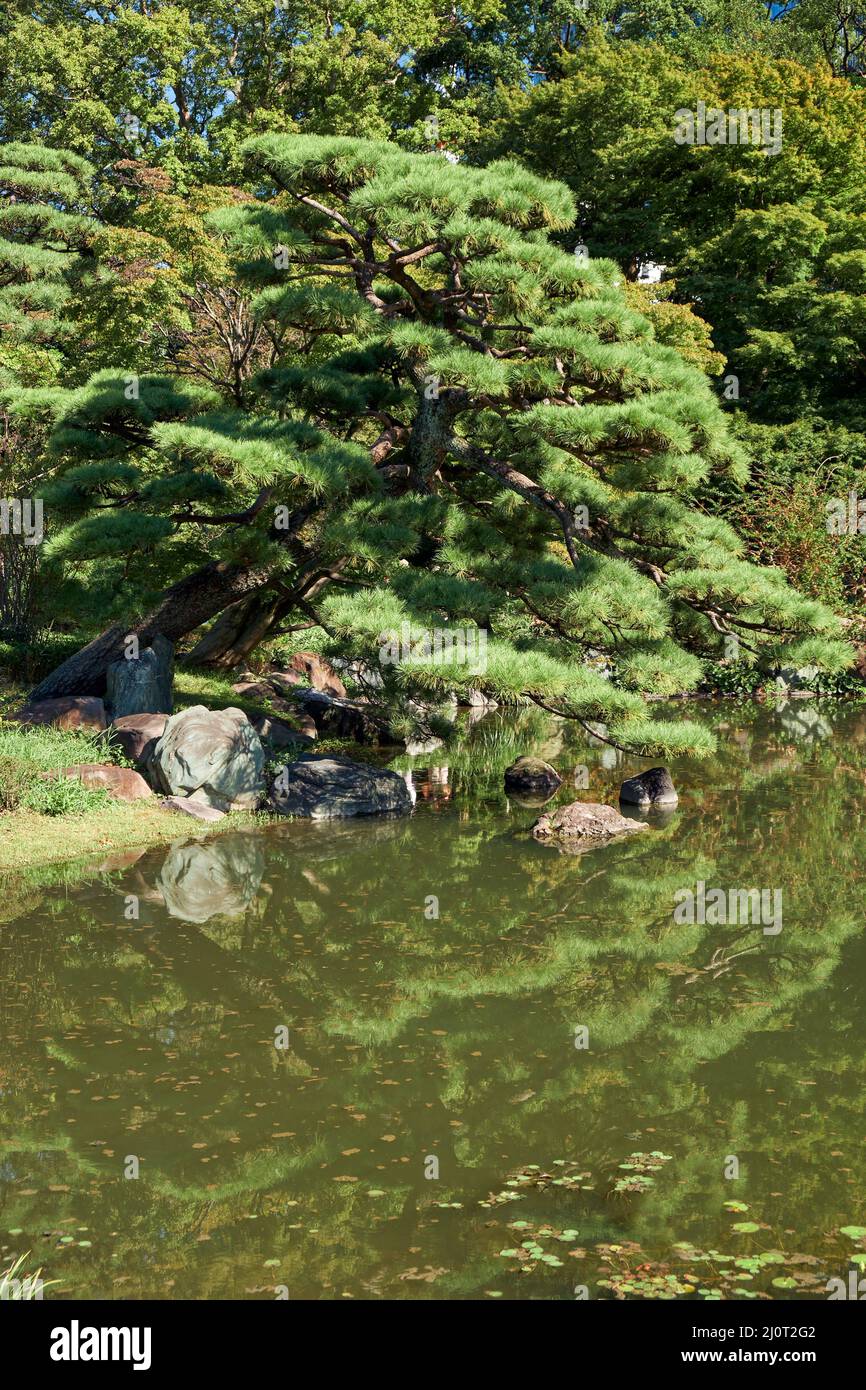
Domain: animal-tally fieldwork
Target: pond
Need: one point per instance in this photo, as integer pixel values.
(432, 1058)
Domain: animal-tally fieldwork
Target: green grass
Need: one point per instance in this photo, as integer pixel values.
(48, 821)
(28, 753)
(29, 839)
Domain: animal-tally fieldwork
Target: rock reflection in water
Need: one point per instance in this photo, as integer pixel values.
(216, 878)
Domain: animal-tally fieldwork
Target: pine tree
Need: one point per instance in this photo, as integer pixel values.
(43, 231)
(465, 427)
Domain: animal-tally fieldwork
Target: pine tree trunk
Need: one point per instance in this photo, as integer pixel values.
(182, 608)
(238, 629)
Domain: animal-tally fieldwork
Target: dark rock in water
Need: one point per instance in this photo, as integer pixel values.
(652, 788)
(324, 788)
(142, 684)
(583, 825)
(138, 735)
(66, 712)
(533, 776)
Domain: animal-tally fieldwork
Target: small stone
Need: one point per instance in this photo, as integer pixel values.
(279, 734)
(307, 668)
(651, 788)
(253, 690)
(197, 809)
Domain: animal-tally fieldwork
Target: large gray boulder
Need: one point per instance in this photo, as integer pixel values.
(142, 684)
(323, 788)
(583, 825)
(655, 787)
(212, 756)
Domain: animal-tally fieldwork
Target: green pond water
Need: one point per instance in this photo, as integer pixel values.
(432, 1092)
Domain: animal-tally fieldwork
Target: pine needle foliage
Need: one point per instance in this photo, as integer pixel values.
(466, 427)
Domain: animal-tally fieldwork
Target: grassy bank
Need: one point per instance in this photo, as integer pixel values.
(28, 839)
(46, 821)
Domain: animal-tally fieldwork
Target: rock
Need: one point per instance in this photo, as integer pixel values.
(325, 788)
(212, 756)
(351, 719)
(281, 735)
(584, 824)
(67, 712)
(121, 782)
(137, 735)
(306, 668)
(476, 699)
(801, 679)
(254, 690)
(143, 684)
(197, 809)
(420, 747)
(532, 775)
(218, 878)
(651, 788)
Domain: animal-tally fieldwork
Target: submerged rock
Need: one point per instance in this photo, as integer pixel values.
(654, 787)
(212, 756)
(323, 788)
(583, 825)
(532, 775)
